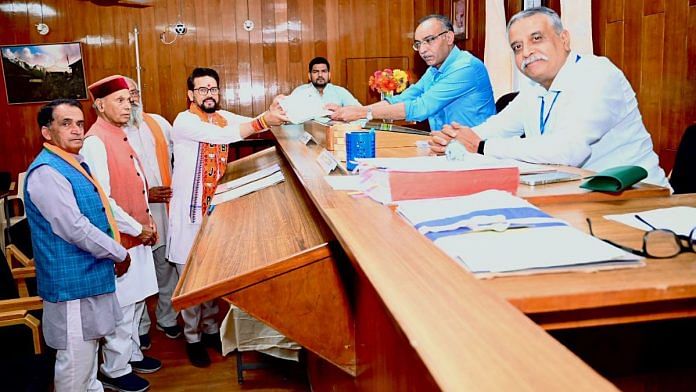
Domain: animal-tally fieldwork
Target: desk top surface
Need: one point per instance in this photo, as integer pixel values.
(660, 280)
(461, 329)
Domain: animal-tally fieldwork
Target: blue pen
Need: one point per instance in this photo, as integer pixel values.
(211, 208)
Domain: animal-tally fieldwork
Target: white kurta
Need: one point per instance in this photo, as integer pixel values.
(140, 281)
(143, 143)
(187, 132)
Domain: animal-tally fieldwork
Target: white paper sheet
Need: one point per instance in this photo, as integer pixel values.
(224, 187)
(530, 249)
(681, 219)
(246, 189)
(345, 183)
(303, 106)
(440, 163)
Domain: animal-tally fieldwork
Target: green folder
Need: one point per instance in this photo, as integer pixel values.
(615, 179)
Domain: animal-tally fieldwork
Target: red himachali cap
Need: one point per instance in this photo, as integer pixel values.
(106, 86)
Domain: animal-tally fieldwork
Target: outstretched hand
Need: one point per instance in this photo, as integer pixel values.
(276, 114)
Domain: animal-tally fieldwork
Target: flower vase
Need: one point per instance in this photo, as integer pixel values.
(386, 123)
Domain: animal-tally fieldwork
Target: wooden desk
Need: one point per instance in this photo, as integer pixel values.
(406, 315)
(664, 289)
(400, 145)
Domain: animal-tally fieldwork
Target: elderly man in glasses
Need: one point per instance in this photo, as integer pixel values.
(201, 136)
(455, 87)
(575, 110)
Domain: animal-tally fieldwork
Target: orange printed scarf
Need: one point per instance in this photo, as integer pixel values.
(67, 157)
(210, 166)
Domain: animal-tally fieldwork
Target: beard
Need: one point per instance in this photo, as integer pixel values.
(207, 108)
(320, 82)
(136, 116)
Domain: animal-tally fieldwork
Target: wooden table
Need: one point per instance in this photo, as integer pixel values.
(664, 289)
(376, 304)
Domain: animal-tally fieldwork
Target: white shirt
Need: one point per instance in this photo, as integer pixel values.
(594, 123)
(331, 94)
(187, 132)
(143, 143)
(140, 281)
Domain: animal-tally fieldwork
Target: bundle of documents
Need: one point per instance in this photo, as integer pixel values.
(245, 185)
(493, 233)
(303, 105)
(388, 180)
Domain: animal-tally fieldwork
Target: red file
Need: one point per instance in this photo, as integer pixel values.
(406, 185)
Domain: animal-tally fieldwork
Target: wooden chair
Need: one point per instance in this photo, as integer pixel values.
(15, 310)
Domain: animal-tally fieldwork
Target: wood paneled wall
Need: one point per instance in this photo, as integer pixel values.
(654, 43)
(659, 58)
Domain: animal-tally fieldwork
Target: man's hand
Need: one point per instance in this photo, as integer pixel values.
(332, 107)
(159, 194)
(349, 113)
(275, 114)
(122, 267)
(148, 236)
(465, 135)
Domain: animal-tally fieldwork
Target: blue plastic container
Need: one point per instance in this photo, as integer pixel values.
(359, 144)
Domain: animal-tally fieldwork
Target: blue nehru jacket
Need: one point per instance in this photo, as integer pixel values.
(459, 90)
(65, 272)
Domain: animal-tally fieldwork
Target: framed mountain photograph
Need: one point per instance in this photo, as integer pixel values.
(44, 72)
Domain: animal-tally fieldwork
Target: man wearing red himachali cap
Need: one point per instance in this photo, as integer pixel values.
(117, 168)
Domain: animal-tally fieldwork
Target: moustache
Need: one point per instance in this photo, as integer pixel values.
(533, 58)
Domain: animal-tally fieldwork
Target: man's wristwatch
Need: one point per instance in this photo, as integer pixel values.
(368, 116)
(481, 146)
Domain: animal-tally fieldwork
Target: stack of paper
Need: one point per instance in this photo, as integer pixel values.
(493, 232)
(245, 185)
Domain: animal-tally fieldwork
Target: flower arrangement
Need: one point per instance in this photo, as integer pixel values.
(388, 81)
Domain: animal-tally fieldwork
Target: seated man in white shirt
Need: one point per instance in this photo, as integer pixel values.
(332, 96)
(577, 110)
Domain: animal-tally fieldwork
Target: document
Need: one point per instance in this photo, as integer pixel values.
(440, 163)
(303, 106)
(224, 187)
(345, 183)
(258, 181)
(681, 219)
(493, 233)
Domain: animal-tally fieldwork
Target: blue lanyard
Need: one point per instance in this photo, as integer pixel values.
(542, 120)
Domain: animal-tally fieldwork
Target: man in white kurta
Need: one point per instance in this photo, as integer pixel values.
(576, 109)
(200, 136)
(121, 351)
(150, 136)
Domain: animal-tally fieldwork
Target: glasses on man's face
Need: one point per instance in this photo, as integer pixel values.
(427, 40)
(658, 243)
(134, 93)
(206, 90)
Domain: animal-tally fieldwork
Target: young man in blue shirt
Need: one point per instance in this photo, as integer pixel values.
(455, 87)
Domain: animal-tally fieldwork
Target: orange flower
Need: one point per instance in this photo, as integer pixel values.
(388, 81)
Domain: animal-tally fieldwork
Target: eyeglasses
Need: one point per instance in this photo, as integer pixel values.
(658, 243)
(205, 90)
(427, 40)
(134, 92)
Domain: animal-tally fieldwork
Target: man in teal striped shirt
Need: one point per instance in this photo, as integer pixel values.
(454, 88)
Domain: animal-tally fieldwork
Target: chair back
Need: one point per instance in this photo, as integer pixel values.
(683, 177)
(504, 100)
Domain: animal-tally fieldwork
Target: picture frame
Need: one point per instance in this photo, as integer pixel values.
(43, 72)
(460, 18)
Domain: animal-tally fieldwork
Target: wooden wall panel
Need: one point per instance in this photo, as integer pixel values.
(273, 58)
(656, 53)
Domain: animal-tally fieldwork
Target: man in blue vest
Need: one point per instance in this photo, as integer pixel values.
(76, 248)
